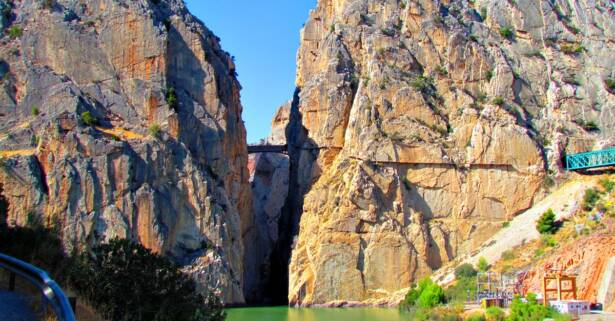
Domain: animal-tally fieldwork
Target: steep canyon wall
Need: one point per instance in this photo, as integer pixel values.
(123, 119)
(419, 127)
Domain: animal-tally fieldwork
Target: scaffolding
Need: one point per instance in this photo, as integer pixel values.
(492, 286)
(565, 283)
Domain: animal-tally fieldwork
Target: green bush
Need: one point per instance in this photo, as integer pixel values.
(463, 290)
(610, 83)
(171, 98)
(422, 83)
(546, 224)
(507, 32)
(35, 111)
(483, 266)
(591, 126)
(489, 75)
(89, 119)
(465, 270)
(431, 296)
(426, 294)
(607, 184)
(495, 314)
(498, 101)
(441, 70)
(532, 310)
(506, 224)
(125, 281)
(590, 198)
(572, 49)
(15, 32)
(154, 130)
(548, 241)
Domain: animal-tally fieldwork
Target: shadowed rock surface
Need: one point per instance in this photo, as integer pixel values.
(269, 174)
(123, 119)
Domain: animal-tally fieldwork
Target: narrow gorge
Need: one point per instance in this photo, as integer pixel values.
(416, 130)
(419, 127)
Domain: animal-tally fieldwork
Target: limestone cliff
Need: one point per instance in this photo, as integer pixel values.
(123, 119)
(419, 126)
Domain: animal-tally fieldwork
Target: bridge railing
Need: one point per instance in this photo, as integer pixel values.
(50, 290)
(601, 158)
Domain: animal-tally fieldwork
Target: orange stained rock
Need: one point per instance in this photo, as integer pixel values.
(588, 257)
(17, 152)
(121, 133)
(152, 106)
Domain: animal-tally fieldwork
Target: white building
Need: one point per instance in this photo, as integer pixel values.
(571, 306)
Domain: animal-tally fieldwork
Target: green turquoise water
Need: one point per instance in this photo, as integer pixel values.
(313, 314)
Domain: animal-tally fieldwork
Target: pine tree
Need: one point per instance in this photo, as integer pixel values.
(546, 223)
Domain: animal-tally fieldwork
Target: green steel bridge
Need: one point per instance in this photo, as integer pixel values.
(595, 159)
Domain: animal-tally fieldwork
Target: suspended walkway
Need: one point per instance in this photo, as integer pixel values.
(595, 159)
(255, 149)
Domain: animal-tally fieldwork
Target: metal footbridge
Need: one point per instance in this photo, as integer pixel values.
(255, 149)
(595, 159)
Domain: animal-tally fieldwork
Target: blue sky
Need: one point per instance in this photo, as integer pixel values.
(264, 37)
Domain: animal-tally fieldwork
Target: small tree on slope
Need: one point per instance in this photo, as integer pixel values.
(546, 223)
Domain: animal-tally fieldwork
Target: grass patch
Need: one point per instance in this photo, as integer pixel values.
(499, 101)
(607, 184)
(422, 83)
(591, 126)
(154, 130)
(572, 49)
(89, 119)
(610, 84)
(489, 75)
(15, 32)
(590, 199)
(441, 70)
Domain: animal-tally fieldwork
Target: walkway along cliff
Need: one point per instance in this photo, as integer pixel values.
(419, 127)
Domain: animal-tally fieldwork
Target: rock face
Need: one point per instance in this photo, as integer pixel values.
(123, 119)
(588, 259)
(269, 174)
(418, 127)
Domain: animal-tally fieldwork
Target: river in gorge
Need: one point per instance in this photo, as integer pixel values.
(284, 313)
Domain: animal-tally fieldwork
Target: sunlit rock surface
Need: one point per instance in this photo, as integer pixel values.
(419, 127)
